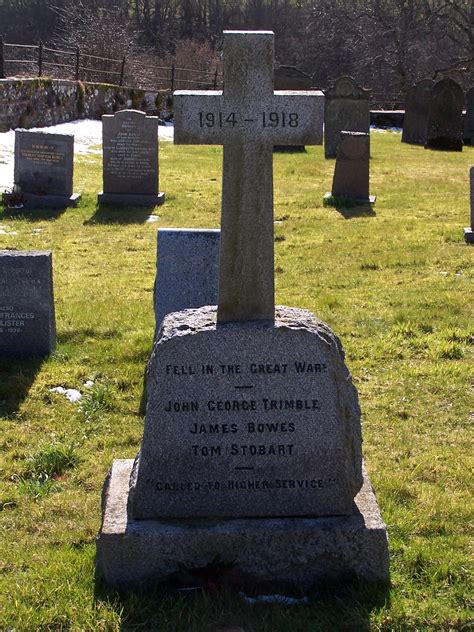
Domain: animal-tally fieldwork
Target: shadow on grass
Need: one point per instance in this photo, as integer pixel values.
(80, 335)
(16, 379)
(33, 215)
(359, 210)
(214, 607)
(120, 215)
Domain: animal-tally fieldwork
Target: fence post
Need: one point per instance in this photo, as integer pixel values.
(215, 79)
(172, 77)
(2, 60)
(78, 62)
(40, 59)
(122, 72)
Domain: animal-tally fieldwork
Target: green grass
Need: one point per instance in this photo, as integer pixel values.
(394, 282)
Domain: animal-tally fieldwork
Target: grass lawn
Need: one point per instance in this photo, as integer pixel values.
(395, 284)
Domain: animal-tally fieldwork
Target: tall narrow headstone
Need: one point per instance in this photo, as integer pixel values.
(27, 322)
(130, 159)
(351, 173)
(43, 172)
(444, 129)
(469, 232)
(346, 108)
(469, 118)
(251, 410)
(416, 112)
(187, 270)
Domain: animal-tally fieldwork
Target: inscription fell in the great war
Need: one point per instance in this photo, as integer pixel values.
(248, 421)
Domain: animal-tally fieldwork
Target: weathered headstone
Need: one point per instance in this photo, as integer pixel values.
(351, 173)
(469, 232)
(251, 410)
(43, 173)
(444, 130)
(469, 118)
(416, 112)
(130, 159)
(346, 108)
(27, 323)
(187, 270)
(290, 78)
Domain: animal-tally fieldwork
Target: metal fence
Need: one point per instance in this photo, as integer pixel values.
(41, 60)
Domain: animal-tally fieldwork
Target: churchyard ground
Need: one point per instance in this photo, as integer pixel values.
(394, 283)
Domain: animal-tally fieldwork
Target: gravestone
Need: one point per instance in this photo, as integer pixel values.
(290, 78)
(469, 232)
(469, 118)
(416, 113)
(444, 130)
(346, 108)
(187, 270)
(251, 409)
(351, 173)
(43, 171)
(27, 323)
(130, 159)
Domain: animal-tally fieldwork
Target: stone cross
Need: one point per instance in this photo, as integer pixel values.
(248, 118)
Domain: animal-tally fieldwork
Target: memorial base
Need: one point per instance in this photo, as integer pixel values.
(359, 201)
(32, 201)
(469, 235)
(126, 199)
(293, 553)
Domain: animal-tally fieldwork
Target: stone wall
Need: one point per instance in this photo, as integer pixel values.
(41, 102)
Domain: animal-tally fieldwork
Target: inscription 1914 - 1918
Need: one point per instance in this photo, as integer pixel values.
(266, 119)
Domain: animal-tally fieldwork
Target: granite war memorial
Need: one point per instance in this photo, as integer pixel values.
(252, 439)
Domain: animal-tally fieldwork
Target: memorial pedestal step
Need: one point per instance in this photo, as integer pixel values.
(298, 553)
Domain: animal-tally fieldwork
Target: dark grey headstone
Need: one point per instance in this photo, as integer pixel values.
(187, 270)
(27, 323)
(351, 173)
(44, 165)
(346, 108)
(416, 113)
(469, 118)
(130, 159)
(444, 129)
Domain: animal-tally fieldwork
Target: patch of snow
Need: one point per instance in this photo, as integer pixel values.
(8, 232)
(88, 384)
(152, 218)
(87, 140)
(72, 394)
(383, 130)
